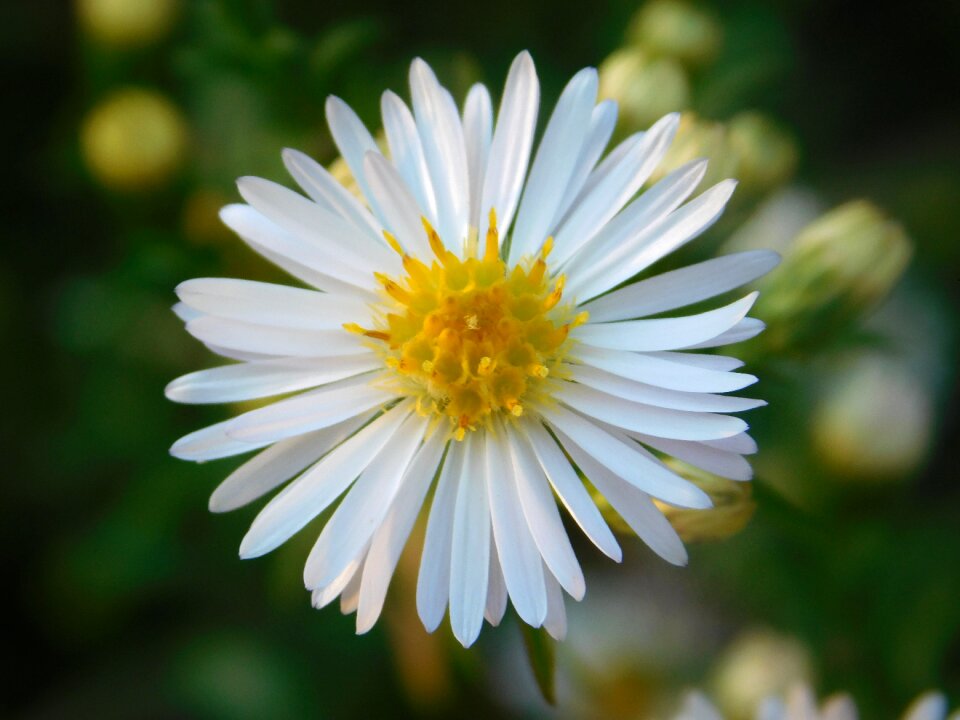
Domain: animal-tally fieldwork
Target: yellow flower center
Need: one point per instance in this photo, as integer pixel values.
(470, 338)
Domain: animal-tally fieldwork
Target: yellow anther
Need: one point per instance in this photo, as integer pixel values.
(392, 242)
(492, 249)
(357, 330)
(580, 318)
(472, 322)
(540, 371)
(554, 297)
(459, 434)
(436, 244)
(546, 248)
(484, 366)
(514, 407)
(427, 366)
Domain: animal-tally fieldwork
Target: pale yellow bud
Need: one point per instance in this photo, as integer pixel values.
(135, 139)
(127, 23)
(645, 89)
(677, 29)
(766, 155)
(733, 506)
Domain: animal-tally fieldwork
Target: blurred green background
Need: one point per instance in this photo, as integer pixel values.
(126, 122)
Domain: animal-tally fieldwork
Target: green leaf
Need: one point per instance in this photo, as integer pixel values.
(540, 652)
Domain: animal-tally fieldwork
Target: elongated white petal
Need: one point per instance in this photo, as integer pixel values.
(433, 580)
(401, 213)
(842, 707)
(323, 188)
(278, 463)
(646, 211)
(657, 421)
(633, 505)
(276, 341)
(929, 706)
(211, 443)
(321, 597)
(554, 163)
(648, 368)
(741, 444)
(353, 140)
(601, 172)
(406, 151)
(392, 534)
(470, 545)
(185, 312)
(496, 605)
(571, 491)
(311, 410)
(660, 397)
(441, 135)
(610, 194)
(543, 518)
(362, 510)
(665, 333)
(700, 360)
(556, 621)
(512, 141)
(682, 287)
(477, 134)
(719, 462)
(311, 493)
(602, 121)
(247, 381)
(269, 304)
(625, 461)
(350, 597)
(332, 242)
(519, 557)
(279, 247)
(654, 242)
(746, 329)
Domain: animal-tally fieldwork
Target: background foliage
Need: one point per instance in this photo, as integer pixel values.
(127, 122)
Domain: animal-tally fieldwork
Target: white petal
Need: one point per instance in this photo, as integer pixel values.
(543, 518)
(772, 708)
(697, 707)
(713, 460)
(311, 410)
(496, 589)
(362, 510)
(608, 246)
(665, 333)
(801, 703)
(556, 621)
(602, 122)
(571, 491)
(391, 536)
(406, 151)
(275, 341)
(929, 706)
(741, 444)
(278, 463)
(633, 505)
(625, 461)
(401, 213)
(682, 287)
(321, 597)
(842, 707)
(598, 174)
(270, 304)
(277, 246)
(311, 493)
(433, 580)
(610, 194)
(353, 140)
(211, 443)
(519, 557)
(554, 163)
(660, 397)
(350, 597)
(654, 242)
(470, 546)
(648, 368)
(330, 241)
(264, 378)
(700, 360)
(441, 135)
(185, 312)
(324, 189)
(658, 421)
(510, 148)
(477, 134)
(746, 329)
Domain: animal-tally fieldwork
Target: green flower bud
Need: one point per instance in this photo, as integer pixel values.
(135, 139)
(645, 89)
(766, 155)
(838, 267)
(677, 29)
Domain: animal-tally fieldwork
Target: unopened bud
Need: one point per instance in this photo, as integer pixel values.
(645, 89)
(766, 154)
(733, 506)
(677, 29)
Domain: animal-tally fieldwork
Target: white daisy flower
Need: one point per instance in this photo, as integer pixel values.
(801, 704)
(467, 324)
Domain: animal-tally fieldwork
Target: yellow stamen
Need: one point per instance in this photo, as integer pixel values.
(492, 249)
(392, 242)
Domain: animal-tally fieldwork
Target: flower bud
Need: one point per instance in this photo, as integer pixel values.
(127, 23)
(766, 155)
(838, 267)
(135, 139)
(698, 138)
(875, 421)
(645, 89)
(733, 506)
(677, 29)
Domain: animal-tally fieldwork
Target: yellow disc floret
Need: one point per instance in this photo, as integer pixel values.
(469, 337)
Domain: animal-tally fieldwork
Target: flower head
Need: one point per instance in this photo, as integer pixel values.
(466, 324)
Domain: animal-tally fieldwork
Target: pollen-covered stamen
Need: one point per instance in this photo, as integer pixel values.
(471, 338)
